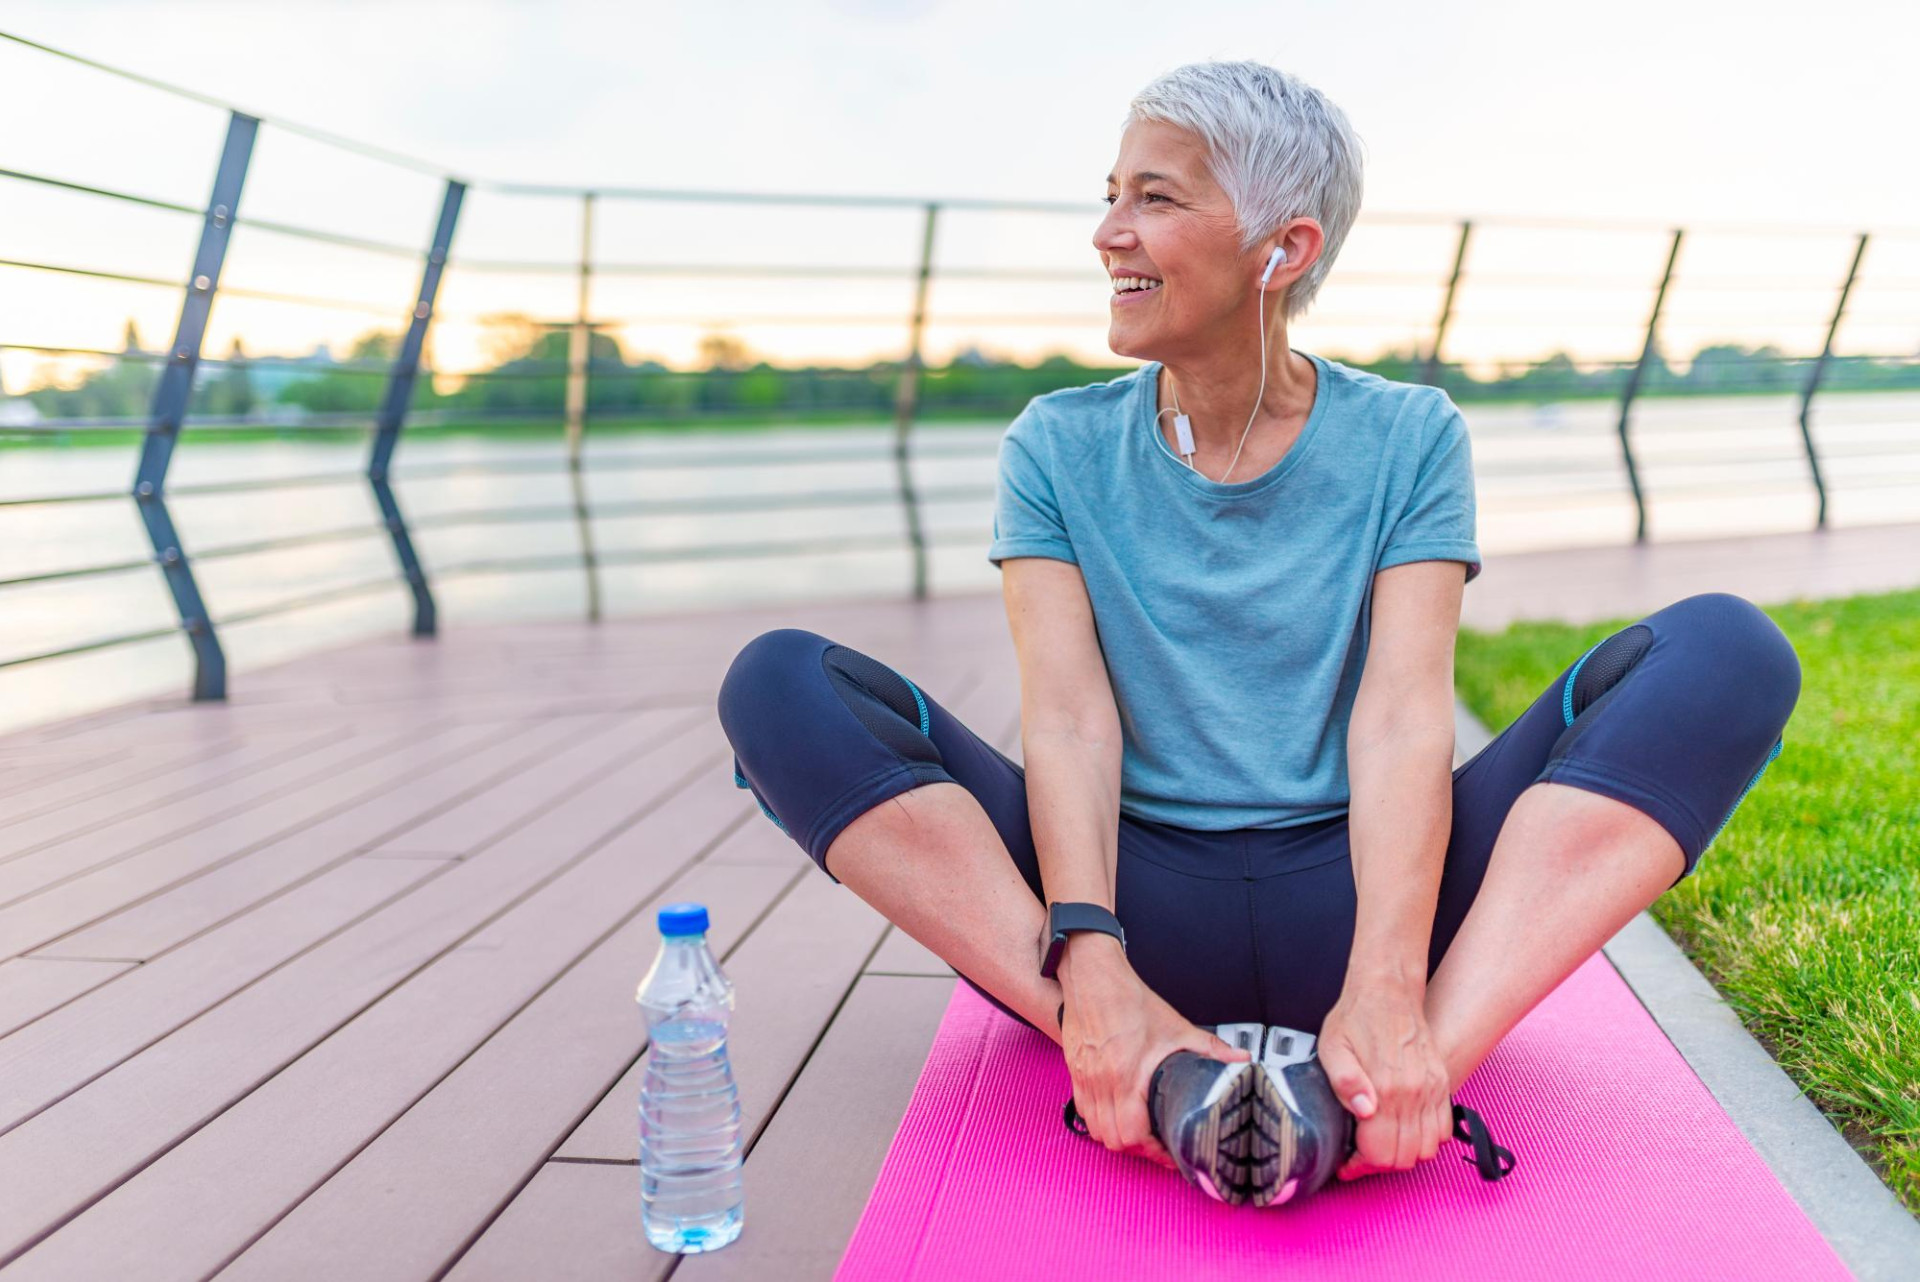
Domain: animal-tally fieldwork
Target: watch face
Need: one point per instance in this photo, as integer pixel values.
(1050, 944)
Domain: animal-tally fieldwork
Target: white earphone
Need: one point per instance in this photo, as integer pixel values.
(1183, 427)
(1278, 256)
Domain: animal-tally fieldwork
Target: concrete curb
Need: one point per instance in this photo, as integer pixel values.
(1858, 1215)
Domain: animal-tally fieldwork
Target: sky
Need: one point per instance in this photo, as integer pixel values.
(1718, 116)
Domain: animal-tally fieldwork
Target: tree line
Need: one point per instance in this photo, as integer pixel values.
(528, 378)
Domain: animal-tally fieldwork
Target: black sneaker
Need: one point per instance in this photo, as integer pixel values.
(1270, 1130)
(1261, 1132)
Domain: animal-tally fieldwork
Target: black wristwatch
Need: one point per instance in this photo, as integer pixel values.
(1063, 919)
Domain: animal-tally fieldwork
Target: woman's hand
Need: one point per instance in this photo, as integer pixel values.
(1383, 1064)
(1115, 1033)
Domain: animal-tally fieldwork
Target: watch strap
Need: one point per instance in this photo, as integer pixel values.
(1064, 918)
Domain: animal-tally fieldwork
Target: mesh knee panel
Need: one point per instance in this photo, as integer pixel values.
(1609, 661)
(885, 702)
(1596, 677)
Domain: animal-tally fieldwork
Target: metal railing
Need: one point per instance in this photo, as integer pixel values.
(178, 365)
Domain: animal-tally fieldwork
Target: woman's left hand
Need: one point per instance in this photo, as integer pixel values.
(1383, 1064)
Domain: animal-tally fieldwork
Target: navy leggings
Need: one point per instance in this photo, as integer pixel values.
(1677, 715)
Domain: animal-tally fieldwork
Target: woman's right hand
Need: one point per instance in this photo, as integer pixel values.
(1114, 1033)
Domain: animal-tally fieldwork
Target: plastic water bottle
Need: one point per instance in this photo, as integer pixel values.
(691, 1196)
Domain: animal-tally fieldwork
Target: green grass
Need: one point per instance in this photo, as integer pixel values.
(1806, 912)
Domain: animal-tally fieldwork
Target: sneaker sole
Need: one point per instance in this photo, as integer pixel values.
(1239, 1143)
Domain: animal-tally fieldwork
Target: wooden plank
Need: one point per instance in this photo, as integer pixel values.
(105, 774)
(165, 920)
(17, 754)
(576, 1222)
(114, 774)
(603, 845)
(96, 1034)
(496, 1102)
(142, 805)
(247, 713)
(651, 675)
(62, 1051)
(108, 727)
(42, 777)
(52, 770)
(481, 817)
(30, 986)
(173, 721)
(751, 845)
(80, 900)
(530, 700)
(242, 804)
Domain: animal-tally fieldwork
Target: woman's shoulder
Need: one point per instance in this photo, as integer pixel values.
(1068, 417)
(1384, 422)
(1086, 402)
(1383, 398)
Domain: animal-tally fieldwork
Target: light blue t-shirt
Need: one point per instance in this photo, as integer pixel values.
(1234, 618)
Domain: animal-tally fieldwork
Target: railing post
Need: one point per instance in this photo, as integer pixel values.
(1819, 372)
(906, 404)
(579, 354)
(1432, 376)
(393, 413)
(1633, 388)
(169, 408)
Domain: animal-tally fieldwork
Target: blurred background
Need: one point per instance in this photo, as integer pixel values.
(412, 315)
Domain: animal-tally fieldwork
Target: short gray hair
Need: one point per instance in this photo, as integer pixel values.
(1276, 145)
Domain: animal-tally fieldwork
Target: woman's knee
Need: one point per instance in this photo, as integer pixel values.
(764, 670)
(1754, 656)
(778, 665)
(822, 733)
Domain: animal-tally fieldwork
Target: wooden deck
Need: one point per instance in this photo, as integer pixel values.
(335, 980)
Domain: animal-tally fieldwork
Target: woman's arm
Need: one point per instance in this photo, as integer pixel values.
(1400, 767)
(1115, 1030)
(1374, 1043)
(1070, 734)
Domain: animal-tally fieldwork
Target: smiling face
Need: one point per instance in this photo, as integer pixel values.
(1169, 221)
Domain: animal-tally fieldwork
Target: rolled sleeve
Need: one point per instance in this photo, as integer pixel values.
(1437, 523)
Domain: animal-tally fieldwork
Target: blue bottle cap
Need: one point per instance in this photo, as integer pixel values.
(683, 919)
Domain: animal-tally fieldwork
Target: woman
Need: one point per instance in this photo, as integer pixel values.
(1233, 578)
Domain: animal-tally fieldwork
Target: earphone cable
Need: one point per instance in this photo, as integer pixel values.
(1260, 311)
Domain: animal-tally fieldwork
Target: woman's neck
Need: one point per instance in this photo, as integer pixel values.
(1217, 395)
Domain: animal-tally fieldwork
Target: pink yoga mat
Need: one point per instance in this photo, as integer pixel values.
(1627, 1168)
